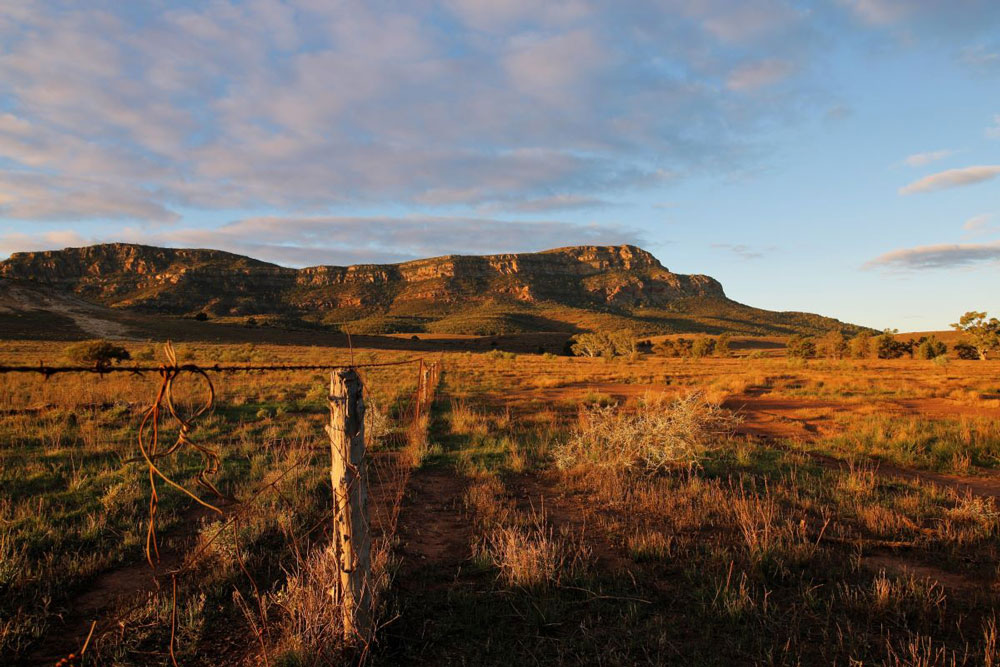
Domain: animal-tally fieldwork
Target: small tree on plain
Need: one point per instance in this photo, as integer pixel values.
(887, 347)
(703, 347)
(100, 353)
(861, 345)
(980, 333)
(966, 351)
(801, 347)
(589, 345)
(722, 345)
(623, 343)
(832, 345)
(930, 348)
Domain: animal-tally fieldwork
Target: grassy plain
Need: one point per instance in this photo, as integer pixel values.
(820, 512)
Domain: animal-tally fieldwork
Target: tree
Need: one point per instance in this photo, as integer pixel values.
(965, 351)
(722, 345)
(800, 347)
(832, 345)
(861, 345)
(99, 353)
(887, 347)
(930, 348)
(600, 344)
(623, 343)
(589, 345)
(980, 333)
(703, 346)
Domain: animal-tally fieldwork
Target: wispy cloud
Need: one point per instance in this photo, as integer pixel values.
(550, 203)
(978, 223)
(753, 76)
(746, 252)
(943, 256)
(993, 131)
(952, 178)
(351, 240)
(921, 159)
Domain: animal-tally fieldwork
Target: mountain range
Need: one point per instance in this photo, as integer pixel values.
(573, 289)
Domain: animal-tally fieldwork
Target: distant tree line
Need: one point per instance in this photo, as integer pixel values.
(702, 346)
(981, 338)
(865, 345)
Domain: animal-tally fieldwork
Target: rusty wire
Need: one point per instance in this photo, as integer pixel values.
(148, 442)
(102, 369)
(149, 446)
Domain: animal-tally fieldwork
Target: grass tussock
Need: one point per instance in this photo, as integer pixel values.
(657, 435)
(522, 545)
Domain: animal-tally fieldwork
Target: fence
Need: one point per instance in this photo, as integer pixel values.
(352, 538)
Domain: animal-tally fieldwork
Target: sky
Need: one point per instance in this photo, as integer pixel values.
(838, 156)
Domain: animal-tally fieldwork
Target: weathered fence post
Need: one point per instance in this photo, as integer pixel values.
(350, 497)
(421, 389)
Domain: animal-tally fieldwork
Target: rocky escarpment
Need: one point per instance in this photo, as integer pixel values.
(184, 281)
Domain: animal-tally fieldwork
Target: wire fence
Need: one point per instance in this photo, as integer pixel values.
(232, 510)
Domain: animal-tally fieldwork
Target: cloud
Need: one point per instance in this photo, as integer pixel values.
(757, 75)
(41, 197)
(993, 131)
(298, 105)
(980, 57)
(977, 223)
(921, 159)
(745, 252)
(351, 240)
(943, 256)
(970, 16)
(551, 203)
(951, 179)
(881, 12)
(144, 110)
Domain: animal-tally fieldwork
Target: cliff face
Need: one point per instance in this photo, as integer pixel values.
(183, 281)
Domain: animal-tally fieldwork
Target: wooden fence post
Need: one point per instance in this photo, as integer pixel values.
(350, 497)
(421, 390)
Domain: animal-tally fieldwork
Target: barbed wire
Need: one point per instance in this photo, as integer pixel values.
(148, 442)
(103, 369)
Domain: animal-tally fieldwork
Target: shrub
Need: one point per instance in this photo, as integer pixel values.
(201, 317)
(965, 351)
(672, 348)
(832, 345)
(800, 347)
(861, 345)
(618, 343)
(703, 347)
(930, 348)
(656, 436)
(100, 353)
(887, 347)
(722, 344)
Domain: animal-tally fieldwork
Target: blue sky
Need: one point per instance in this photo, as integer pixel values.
(840, 157)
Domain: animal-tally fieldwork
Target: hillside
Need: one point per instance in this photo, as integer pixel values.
(564, 290)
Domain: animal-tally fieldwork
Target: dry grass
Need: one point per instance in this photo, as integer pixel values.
(758, 545)
(656, 436)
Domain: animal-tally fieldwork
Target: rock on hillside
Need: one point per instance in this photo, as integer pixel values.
(183, 281)
(566, 289)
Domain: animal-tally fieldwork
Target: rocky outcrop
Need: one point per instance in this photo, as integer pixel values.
(184, 281)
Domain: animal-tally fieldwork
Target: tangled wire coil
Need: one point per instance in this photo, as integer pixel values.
(149, 432)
